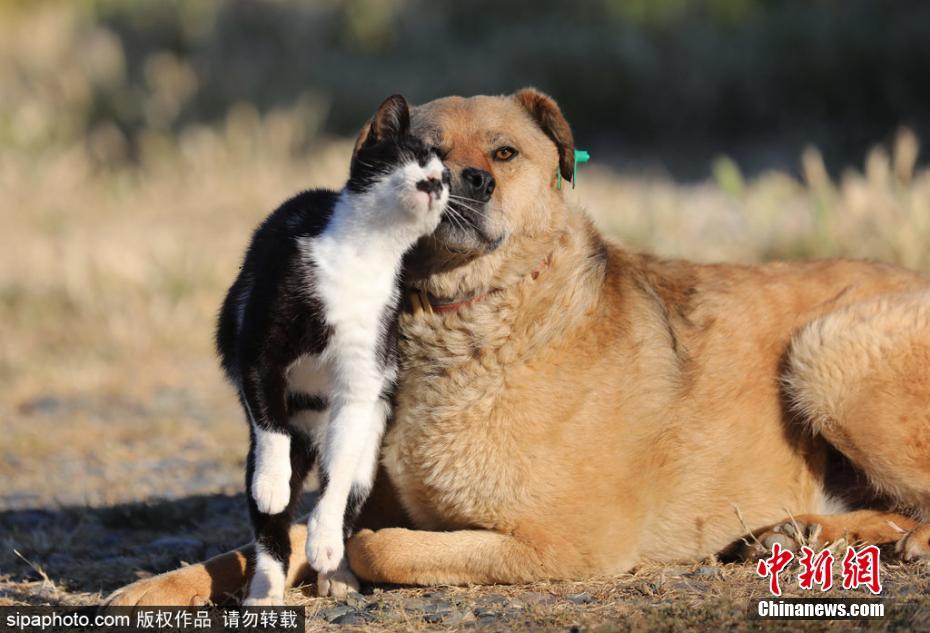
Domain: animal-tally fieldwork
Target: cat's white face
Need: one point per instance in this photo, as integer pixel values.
(415, 194)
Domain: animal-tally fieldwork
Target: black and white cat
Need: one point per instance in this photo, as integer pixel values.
(306, 334)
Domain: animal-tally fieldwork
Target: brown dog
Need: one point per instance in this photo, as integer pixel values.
(567, 408)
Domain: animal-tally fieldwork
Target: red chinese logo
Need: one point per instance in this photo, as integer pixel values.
(861, 568)
(815, 569)
(773, 565)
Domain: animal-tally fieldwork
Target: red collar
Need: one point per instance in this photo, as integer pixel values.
(422, 301)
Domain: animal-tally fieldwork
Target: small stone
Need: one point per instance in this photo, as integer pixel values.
(349, 618)
(433, 618)
(484, 612)
(388, 616)
(331, 614)
(415, 604)
(535, 598)
(580, 598)
(438, 606)
(455, 617)
(492, 599)
(707, 571)
(356, 600)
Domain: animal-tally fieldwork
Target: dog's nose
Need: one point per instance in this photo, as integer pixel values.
(480, 184)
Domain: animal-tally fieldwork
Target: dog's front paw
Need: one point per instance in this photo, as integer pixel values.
(174, 588)
(789, 534)
(792, 534)
(915, 545)
(325, 546)
(271, 489)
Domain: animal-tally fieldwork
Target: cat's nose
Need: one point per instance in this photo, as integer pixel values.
(432, 186)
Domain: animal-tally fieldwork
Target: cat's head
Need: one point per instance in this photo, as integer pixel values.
(401, 175)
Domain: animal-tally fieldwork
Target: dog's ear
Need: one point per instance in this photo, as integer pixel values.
(545, 111)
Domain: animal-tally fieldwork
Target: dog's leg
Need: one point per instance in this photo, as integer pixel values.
(214, 580)
(863, 527)
(416, 557)
(860, 377)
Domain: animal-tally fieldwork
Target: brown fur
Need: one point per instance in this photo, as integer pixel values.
(621, 407)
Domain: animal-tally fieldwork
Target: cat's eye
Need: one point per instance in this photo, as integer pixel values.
(505, 153)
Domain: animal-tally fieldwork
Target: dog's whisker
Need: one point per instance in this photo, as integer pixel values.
(457, 220)
(454, 215)
(470, 208)
(460, 200)
(467, 199)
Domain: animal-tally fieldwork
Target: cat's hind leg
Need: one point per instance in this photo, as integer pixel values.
(273, 555)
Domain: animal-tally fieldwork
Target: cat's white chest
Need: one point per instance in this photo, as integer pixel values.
(355, 284)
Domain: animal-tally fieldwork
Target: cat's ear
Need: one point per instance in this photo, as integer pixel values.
(392, 120)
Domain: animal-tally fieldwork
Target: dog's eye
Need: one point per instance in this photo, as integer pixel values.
(505, 153)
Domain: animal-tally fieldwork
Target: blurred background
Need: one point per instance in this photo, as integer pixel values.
(142, 140)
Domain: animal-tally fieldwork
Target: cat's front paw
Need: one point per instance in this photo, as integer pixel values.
(325, 545)
(337, 584)
(271, 489)
(264, 601)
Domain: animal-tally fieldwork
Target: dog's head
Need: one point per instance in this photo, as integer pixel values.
(504, 154)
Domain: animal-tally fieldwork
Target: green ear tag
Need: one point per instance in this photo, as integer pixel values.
(581, 156)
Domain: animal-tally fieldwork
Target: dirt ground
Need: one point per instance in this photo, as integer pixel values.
(128, 488)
